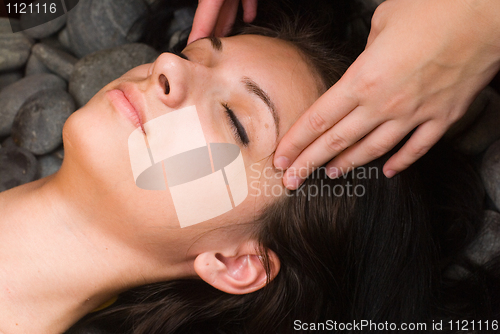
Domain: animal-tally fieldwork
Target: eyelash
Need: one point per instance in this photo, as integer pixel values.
(238, 129)
(180, 54)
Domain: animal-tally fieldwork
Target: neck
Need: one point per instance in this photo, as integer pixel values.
(59, 259)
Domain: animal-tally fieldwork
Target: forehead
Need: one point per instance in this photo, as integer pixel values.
(275, 65)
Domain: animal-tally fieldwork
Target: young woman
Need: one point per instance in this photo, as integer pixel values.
(74, 240)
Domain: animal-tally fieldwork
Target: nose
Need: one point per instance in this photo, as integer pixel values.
(170, 78)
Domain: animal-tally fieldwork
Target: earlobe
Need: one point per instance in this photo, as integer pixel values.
(238, 273)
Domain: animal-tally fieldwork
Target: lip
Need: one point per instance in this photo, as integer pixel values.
(121, 100)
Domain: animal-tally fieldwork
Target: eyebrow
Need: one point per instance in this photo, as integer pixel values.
(254, 88)
(216, 43)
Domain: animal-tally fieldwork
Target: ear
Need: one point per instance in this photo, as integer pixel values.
(237, 271)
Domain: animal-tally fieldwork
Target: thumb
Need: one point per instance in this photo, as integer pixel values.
(205, 19)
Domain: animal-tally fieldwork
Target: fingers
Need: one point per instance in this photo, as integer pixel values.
(227, 16)
(205, 19)
(249, 10)
(374, 145)
(218, 16)
(426, 135)
(321, 116)
(348, 131)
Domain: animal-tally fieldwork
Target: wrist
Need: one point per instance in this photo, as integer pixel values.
(486, 15)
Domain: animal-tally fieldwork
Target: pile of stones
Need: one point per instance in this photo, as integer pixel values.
(50, 70)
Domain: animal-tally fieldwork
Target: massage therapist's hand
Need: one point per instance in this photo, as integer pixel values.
(424, 63)
(216, 17)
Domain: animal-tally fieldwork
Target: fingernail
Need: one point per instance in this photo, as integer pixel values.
(333, 173)
(281, 162)
(293, 182)
(390, 173)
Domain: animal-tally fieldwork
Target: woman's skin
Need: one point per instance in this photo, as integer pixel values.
(73, 240)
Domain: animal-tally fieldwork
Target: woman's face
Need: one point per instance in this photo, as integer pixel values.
(265, 84)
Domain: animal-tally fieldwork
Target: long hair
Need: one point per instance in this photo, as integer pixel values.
(391, 250)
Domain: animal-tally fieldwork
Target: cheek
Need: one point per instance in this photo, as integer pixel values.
(265, 183)
(138, 73)
(205, 178)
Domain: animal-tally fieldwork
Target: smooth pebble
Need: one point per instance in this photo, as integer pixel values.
(490, 172)
(13, 96)
(43, 23)
(14, 47)
(95, 25)
(486, 128)
(96, 70)
(17, 166)
(58, 61)
(39, 123)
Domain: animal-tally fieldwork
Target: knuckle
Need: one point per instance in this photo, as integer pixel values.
(368, 85)
(419, 150)
(335, 143)
(399, 106)
(293, 147)
(376, 150)
(455, 116)
(342, 163)
(317, 122)
(376, 21)
(378, 16)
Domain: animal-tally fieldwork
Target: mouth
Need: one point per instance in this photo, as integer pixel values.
(121, 100)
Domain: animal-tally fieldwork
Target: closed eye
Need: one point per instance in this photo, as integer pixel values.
(238, 129)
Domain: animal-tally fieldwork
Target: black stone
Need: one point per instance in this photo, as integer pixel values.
(487, 243)
(8, 78)
(490, 172)
(63, 38)
(59, 153)
(17, 166)
(95, 25)
(14, 47)
(58, 61)
(39, 123)
(13, 96)
(54, 42)
(35, 66)
(486, 128)
(183, 19)
(475, 109)
(42, 23)
(8, 142)
(96, 70)
(48, 165)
